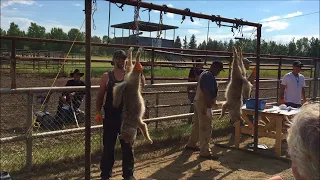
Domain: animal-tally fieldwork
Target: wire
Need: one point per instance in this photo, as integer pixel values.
(291, 17)
(34, 123)
(259, 21)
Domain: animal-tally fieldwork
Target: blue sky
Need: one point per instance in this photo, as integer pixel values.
(69, 14)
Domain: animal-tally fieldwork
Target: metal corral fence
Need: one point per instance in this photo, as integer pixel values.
(167, 115)
(155, 58)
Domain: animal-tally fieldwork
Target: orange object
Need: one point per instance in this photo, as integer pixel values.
(98, 118)
(254, 70)
(139, 67)
(282, 101)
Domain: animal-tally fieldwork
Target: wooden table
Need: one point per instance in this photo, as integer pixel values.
(272, 124)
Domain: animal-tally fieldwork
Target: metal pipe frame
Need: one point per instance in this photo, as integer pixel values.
(88, 12)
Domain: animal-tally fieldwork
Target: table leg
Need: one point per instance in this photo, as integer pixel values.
(278, 136)
(237, 134)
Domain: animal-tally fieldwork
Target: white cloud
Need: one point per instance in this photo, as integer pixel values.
(275, 26)
(273, 18)
(248, 28)
(76, 4)
(5, 3)
(284, 39)
(23, 23)
(193, 31)
(298, 13)
(170, 15)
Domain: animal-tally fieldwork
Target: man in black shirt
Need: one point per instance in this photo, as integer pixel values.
(77, 96)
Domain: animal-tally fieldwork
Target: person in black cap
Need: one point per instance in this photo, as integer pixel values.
(292, 87)
(77, 96)
(194, 74)
(112, 120)
(205, 100)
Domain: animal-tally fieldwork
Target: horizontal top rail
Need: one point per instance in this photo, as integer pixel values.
(81, 88)
(155, 48)
(216, 18)
(145, 63)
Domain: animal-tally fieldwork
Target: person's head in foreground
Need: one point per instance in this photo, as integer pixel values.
(303, 142)
(216, 67)
(296, 67)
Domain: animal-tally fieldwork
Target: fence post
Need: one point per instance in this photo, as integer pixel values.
(310, 83)
(229, 73)
(147, 112)
(279, 77)
(315, 79)
(152, 66)
(13, 64)
(29, 130)
(157, 108)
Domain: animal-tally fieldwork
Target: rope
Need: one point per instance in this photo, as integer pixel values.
(34, 123)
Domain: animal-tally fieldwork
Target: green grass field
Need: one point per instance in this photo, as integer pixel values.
(98, 68)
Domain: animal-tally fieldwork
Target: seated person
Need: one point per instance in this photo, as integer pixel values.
(77, 97)
(304, 143)
(194, 74)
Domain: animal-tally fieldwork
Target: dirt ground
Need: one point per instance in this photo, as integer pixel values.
(166, 161)
(172, 162)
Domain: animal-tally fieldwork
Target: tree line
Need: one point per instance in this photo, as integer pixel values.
(301, 47)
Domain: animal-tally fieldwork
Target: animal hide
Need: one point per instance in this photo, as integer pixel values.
(129, 93)
(237, 89)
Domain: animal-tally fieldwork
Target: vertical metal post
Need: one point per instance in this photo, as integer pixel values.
(174, 33)
(229, 73)
(29, 131)
(152, 66)
(122, 36)
(256, 114)
(279, 77)
(316, 79)
(157, 108)
(88, 11)
(165, 33)
(13, 64)
(310, 82)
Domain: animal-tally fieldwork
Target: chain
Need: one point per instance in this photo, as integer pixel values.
(160, 24)
(136, 21)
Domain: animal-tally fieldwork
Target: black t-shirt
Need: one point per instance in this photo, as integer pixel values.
(193, 72)
(78, 94)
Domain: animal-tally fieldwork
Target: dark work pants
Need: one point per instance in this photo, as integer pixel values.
(110, 135)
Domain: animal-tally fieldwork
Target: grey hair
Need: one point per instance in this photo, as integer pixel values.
(303, 141)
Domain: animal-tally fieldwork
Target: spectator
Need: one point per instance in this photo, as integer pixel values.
(194, 74)
(304, 143)
(292, 87)
(205, 100)
(77, 96)
(112, 120)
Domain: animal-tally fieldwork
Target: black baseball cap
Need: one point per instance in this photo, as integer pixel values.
(217, 64)
(119, 54)
(297, 64)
